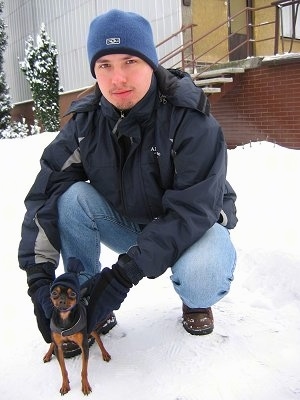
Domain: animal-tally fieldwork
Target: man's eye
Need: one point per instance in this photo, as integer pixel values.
(131, 61)
(103, 66)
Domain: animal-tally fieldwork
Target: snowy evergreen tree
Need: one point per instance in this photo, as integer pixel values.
(41, 70)
(5, 101)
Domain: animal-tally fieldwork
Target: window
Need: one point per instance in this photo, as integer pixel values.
(290, 21)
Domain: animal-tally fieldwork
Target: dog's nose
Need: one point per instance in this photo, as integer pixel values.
(62, 300)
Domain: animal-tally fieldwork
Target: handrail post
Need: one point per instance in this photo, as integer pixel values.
(249, 31)
(193, 53)
(277, 19)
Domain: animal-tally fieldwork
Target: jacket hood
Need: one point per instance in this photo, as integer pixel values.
(175, 85)
(179, 89)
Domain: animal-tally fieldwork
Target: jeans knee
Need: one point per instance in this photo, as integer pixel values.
(70, 196)
(202, 288)
(75, 202)
(203, 275)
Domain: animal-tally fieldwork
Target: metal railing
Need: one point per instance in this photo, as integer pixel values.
(186, 56)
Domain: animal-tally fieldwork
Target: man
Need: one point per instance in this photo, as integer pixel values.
(140, 168)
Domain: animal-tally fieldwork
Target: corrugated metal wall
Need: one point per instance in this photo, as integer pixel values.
(67, 23)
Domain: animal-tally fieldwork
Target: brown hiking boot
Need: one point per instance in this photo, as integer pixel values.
(197, 321)
(71, 349)
(103, 327)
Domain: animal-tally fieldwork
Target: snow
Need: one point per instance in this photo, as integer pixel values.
(284, 56)
(254, 350)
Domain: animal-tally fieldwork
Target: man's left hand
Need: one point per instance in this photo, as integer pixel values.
(110, 288)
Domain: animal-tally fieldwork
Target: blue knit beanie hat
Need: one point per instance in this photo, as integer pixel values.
(70, 278)
(119, 32)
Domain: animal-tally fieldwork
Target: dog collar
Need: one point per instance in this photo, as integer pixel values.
(77, 327)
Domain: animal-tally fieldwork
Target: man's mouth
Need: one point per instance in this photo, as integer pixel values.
(121, 92)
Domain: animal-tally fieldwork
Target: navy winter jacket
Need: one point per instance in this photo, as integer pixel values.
(170, 177)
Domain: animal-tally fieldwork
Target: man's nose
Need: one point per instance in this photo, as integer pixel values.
(118, 76)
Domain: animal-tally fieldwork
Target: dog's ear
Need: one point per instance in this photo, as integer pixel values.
(75, 265)
(83, 298)
(83, 291)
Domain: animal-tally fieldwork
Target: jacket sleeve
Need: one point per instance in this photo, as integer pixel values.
(60, 167)
(194, 203)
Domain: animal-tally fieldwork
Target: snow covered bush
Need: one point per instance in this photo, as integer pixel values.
(20, 130)
(5, 104)
(41, 71)
(5, 101)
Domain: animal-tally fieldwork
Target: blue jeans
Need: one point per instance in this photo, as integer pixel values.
(201, 276)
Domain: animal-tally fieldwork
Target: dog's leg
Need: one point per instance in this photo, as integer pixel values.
(65, 387)
(85, 386)
(48, 355)
(105, 355)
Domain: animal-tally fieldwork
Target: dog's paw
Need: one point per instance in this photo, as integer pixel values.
(86, 388)
(106, 356)
(47, 357)
(65, 388)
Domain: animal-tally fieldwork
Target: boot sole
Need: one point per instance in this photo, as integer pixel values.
(201, 332)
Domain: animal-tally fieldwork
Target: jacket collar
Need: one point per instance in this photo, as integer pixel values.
(139, 113)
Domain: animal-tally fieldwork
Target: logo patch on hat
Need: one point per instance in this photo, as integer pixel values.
(115, 40)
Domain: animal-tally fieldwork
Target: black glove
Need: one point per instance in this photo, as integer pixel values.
(39, 279)
(110, 288)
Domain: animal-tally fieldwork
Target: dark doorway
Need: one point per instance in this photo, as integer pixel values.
(239, 29)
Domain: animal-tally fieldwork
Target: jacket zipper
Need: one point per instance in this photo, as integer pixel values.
(114, 131)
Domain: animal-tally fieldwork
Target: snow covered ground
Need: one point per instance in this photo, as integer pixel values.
(254, 351)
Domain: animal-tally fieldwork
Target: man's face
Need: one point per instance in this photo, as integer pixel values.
(123, 79)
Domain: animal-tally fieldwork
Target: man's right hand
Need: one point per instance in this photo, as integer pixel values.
(39, 279)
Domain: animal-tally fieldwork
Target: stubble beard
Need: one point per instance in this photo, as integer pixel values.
(124, 105)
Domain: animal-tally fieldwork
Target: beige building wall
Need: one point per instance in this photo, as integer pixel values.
(207, 15)
(263, 31)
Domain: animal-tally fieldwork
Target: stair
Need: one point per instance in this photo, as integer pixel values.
(212, 80)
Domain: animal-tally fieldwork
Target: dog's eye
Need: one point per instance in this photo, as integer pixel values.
(72, 295)
(54, 294)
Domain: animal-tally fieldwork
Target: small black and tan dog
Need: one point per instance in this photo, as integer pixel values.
(69, 323)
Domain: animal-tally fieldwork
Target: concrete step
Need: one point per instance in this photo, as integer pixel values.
(213, 81)
(216, 77)
(218, 72)
(211, 90)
